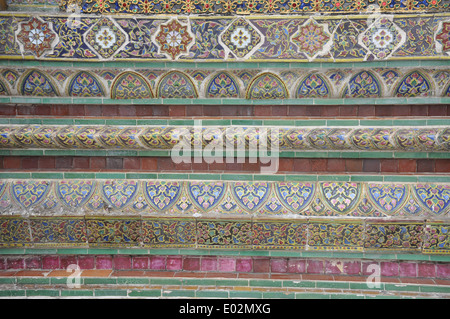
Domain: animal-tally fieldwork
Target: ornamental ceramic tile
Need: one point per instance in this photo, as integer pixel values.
(105, 38)
(174, 38)
(336, 236)
(168, 233)
(226, 234)
(14, 232)
(279, 235)
(240, 39)
(312, 39)
(113, 232)
(58, 232)
(85, 84)
(437, 238)
(36, 36)
(394, 236)
(443, 38)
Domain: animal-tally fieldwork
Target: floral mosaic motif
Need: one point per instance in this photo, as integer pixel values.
(207, 39)
(162, 195)
(173, 38)
(8, 43)
(76, 193)
(348, 236)
(295, 196)
(105, 38)
(443, 36)
(3, 89)
(224, 234)
(58, 231)
(341, 196)
(437, 238)
(36, 83)
(222, 85)
(390, 76)
(267, 86)
(436, 198)
(119, 193)
(412, 85)
(419, 39)
(313, 86)
(250, 195)
(394, 236)
(279, 235)
(311, 39)
(241, 38)
(29, 193)
(363, 85)
(176, 85)
(382, 38)
(10, 76)
(84, 84)
(168, 233)
(113, 232)
(14, 232)
(345, 40)
(206, 196)
(36, 36)
(388, 198)
(131, 85)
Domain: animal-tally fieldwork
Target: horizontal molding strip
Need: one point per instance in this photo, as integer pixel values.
(223, 198)
(213, 140)
(363, 236)
(210, 38)
(304, 86)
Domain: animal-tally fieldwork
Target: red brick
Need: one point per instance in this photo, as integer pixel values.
(384, 110)
(60, 110)
(331, 110)
(437, 110)
(33, 263)
(194, 110)
(401, 110)
(335, 165)
(76, 110)
(251, 167)
(406, 166)
(174, 262)
(63, 162)
(298, 110)
(353, 165)
(425, 165)
(371, 165)
(286, 165)
(65, 261)
(122, 262)
(296, 265)
(210, 110)
(158, 262)
(141, 262)
(15, 263)
(80, 162)
(50, 262)
(349, 110)
(127, 110)
(314, 267)
(261, 265)
(2, 264)
(12, 162)
(177, 110)
(366, 110)
(114, 163)
(182, 166)
(302, 165)
(46, 162)
(132, 163)
(7, 110)
(191, 263)
(110, 110)
(278, 265)
(426, 270)
(165, 164)
(30, 163)
(43, 109)
(279, 110)
(149, 163)
(442, 166)
(319, 165)
(103, 262)
(97, 162)
(93, 110)
(263, 110)
(244, 264)
(419, 110)
(389, 165)
(86, 262)
(160, 110)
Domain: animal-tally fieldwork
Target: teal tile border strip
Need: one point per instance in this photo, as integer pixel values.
(229, 253)
(226, 177)
(229, 101)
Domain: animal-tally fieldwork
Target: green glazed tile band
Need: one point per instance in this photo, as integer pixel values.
(174, 195)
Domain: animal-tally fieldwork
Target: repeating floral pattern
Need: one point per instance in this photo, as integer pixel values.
(187, 198)
(223, 38)
(423, 138)
(251, 84)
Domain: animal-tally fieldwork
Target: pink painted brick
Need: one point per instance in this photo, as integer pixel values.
(191, 263)
(208, 264)
(2, 263)
(261, 265)
(389, 269)
(296, 265)
(352, 268)
(50, 262)
(369, 268)
(314, 267)
(33, 263)
(103, 262)
(141, 262)
(335, 267)
(157, 262)
(278, 265)
(244, 264)
(174, 263)
(65, 261)
(425, 270)
(443, 271)
(226, 264)
(15, 263)
(407, 269)
(86, 262)
(122, 262)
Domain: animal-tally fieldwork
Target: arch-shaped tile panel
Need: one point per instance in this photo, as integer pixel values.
(313, 86)
(85, 84)
(267, 86)
(131, 85)
(222, 84)
(176, 84)
(364, 84)
(414, 84)
(36, 83)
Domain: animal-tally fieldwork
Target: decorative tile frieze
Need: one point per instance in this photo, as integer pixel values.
(224, 198)
(302, 38)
